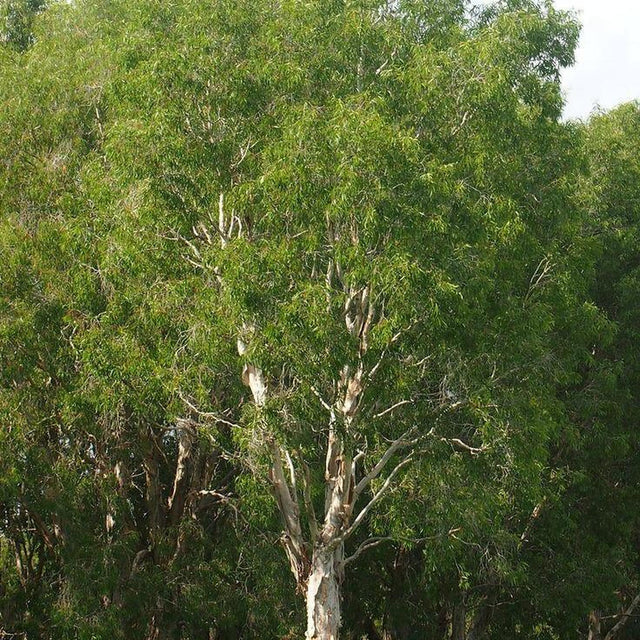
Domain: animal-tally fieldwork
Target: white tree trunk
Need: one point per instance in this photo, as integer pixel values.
(323, 594)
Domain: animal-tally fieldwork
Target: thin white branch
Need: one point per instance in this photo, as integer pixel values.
(377, 365)
(192, 246)
(380, 69)
(198, 265)
(535, 514)
(463, 445)
(376, 497)
(402, 441)
(367, 544)
(323, 402)
(221, 225)
(207, 414)
(200, 231)
(392, 408)
(624, 618)
(216, 494)
(357, 458)
(292, 475)
(400, 333)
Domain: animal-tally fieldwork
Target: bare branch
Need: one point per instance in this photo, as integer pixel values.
(292, 539)
(323, 402)
(215, 494)
(292, 475)
(356, 459)
(456, 442)
(623, 619)
(401, 332)
(377, 365)
(192, 246)
(206, 414)
(376, 497)
(243, 153)
(539, 276)
(392, 408)
(329, 283)
(365, 303)
(532, 518)
(221, 225)
(367, 544)
(400, 442)
(197, 265)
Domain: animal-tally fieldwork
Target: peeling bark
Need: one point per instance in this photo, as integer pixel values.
(318, 564)
(594, 626)
(324, 594)
(182, 476)
(292, 540)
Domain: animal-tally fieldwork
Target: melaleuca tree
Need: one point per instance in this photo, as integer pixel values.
(45, 478)
(580, 568)
(608, 405)
(379, 220)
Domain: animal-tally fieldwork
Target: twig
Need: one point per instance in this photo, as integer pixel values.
(391, 408)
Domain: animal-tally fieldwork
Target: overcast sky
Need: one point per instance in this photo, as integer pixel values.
(607, 69)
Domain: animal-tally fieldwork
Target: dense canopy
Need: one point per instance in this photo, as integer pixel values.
(316, 320)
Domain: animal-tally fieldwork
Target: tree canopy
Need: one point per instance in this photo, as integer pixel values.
(314, 314)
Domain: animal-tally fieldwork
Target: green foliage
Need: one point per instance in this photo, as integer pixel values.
(18, 17)
(418, 146)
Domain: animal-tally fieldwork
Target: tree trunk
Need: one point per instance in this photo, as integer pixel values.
(459, 621)
(594, 626)
(323, 594)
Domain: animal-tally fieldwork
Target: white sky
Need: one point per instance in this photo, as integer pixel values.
(607, 69)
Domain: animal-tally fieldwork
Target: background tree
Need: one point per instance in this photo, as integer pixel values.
(18, 17)
(115, 510)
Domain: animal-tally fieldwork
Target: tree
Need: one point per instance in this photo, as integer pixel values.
(611, 197)
(374, 248)
(112, 513)
(319, 249)
(18, 17)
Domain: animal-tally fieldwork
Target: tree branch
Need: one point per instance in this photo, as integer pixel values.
(392, 408)
(376, 497)
(373, 474)
(367, 544)
(623, 619)
(308, 503)
(206, 414)
(474, 451)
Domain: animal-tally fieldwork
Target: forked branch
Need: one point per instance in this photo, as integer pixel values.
(403, 441)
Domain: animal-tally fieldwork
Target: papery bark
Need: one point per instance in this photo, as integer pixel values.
(324, 594)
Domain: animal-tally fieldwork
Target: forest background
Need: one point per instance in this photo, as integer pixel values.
(315, 320)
